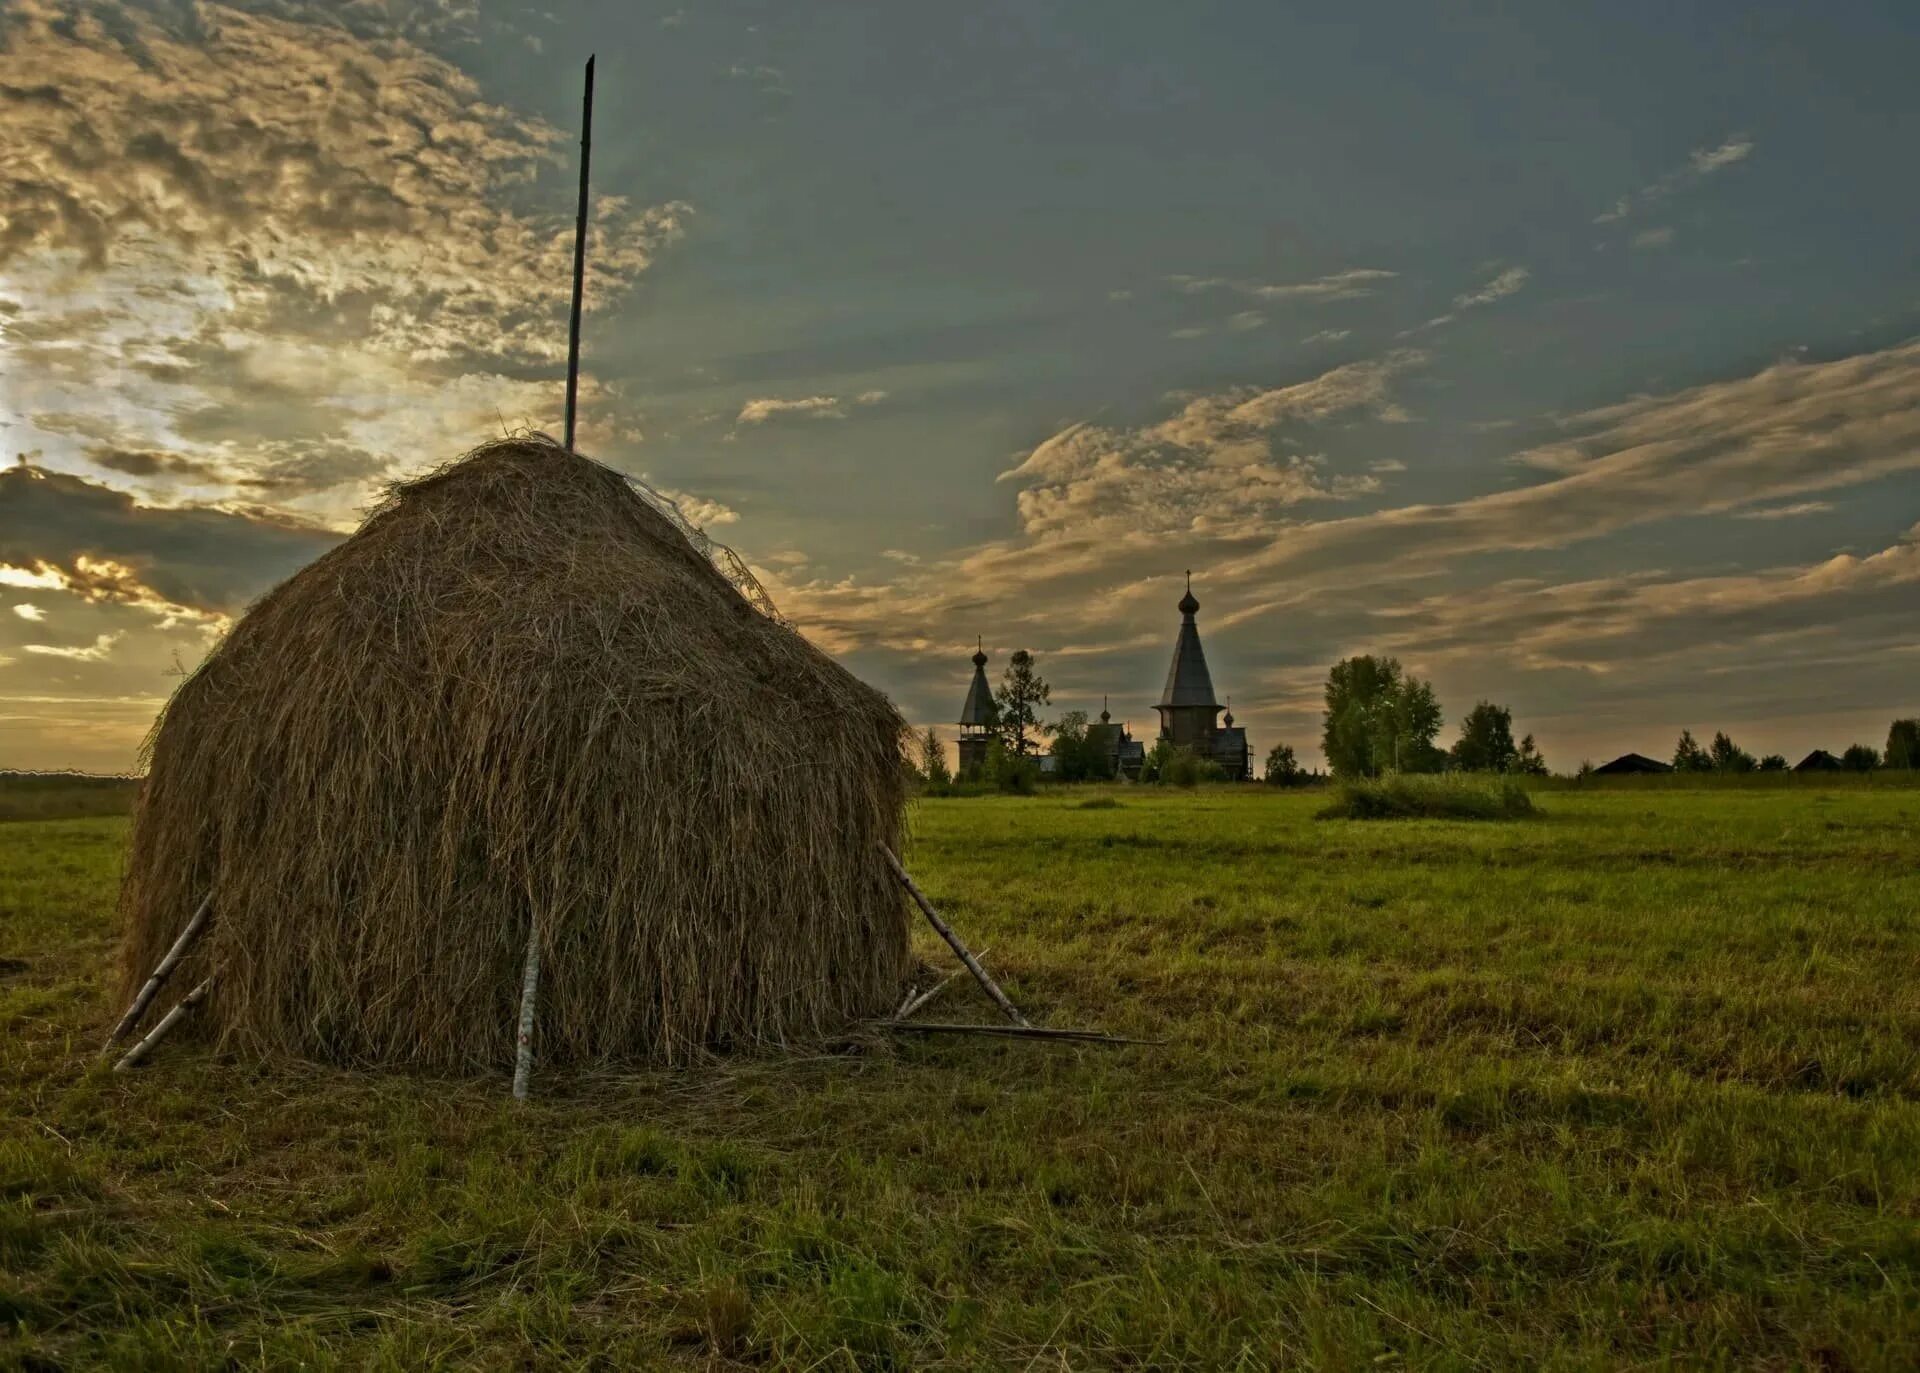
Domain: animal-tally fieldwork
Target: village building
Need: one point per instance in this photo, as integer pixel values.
(976, 717)
(1630, 764)
(1190, 716)
(1189, 713)
(1125, 754)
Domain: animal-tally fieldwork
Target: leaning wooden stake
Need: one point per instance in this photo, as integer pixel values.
(167, 1022)
(953, 940)
(160, 974)
(529, 989)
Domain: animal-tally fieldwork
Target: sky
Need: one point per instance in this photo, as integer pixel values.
(1570, 354)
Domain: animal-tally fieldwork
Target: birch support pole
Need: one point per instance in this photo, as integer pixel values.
(529, 992)
(162, 971)
(922, 1027)
(167, 1022)
(953, 940)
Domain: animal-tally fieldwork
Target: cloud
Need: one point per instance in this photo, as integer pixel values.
(1661, 237)
(763, 410)
(1499, 288)
(1793, 429)
(1212, 465)
(1327, 336)
(87, 653)
(1347, 285)
(260, 152)
(30, 612)
(307, 250)
(1700, 164)
(1786, 512)
(62, 531)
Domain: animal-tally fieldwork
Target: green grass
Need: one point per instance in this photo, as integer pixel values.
(1635, 1083)
(1402, 797)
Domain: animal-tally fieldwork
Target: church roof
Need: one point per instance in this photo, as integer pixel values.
(979, 707)
(1188, 681)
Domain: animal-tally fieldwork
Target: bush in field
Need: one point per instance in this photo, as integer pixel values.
(1401, 797)
(1183, 768)
(1773, 762)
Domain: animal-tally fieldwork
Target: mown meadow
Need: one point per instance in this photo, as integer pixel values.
(1635, 1081)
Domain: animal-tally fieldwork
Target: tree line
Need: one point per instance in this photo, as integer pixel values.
(1723, 755)
(1378, 718)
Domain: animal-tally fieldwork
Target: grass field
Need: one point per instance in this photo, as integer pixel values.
(1633, 1082)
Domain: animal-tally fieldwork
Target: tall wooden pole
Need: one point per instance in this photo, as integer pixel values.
(530, 970)
(579, 255)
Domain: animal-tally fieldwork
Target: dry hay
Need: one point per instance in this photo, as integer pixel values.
(518, 693)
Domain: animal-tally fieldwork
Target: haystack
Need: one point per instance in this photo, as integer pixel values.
(518, 701)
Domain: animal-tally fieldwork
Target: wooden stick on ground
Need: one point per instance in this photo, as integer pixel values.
(529, 990)
(167, 1022)
(921, 1027)
(914, 1003)
(953, 940)
(161, 973)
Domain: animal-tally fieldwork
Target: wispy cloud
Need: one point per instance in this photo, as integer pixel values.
(30, 612)
(1700, 164)
(1346, 285)
(1786, 512)
(766, 409)
(1499, 287)
(86, 653)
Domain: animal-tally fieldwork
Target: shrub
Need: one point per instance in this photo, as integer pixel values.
(1184, 768)
(1399, 796)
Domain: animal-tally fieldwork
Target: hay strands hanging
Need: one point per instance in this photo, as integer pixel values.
(161, 972)
(954, 941)
(167, 1022)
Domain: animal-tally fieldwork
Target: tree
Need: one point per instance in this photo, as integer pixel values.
(1728, 756)
(1773, 762)
(1009, 771)
(1529, 760)
(933, 760)
(1903, 745)
(1379, 719)
(1156, 760)
(1283, 769)
(1688, 756)
(1486, 740)
(1860, 758)
(1021, 693)
(1079, 751)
